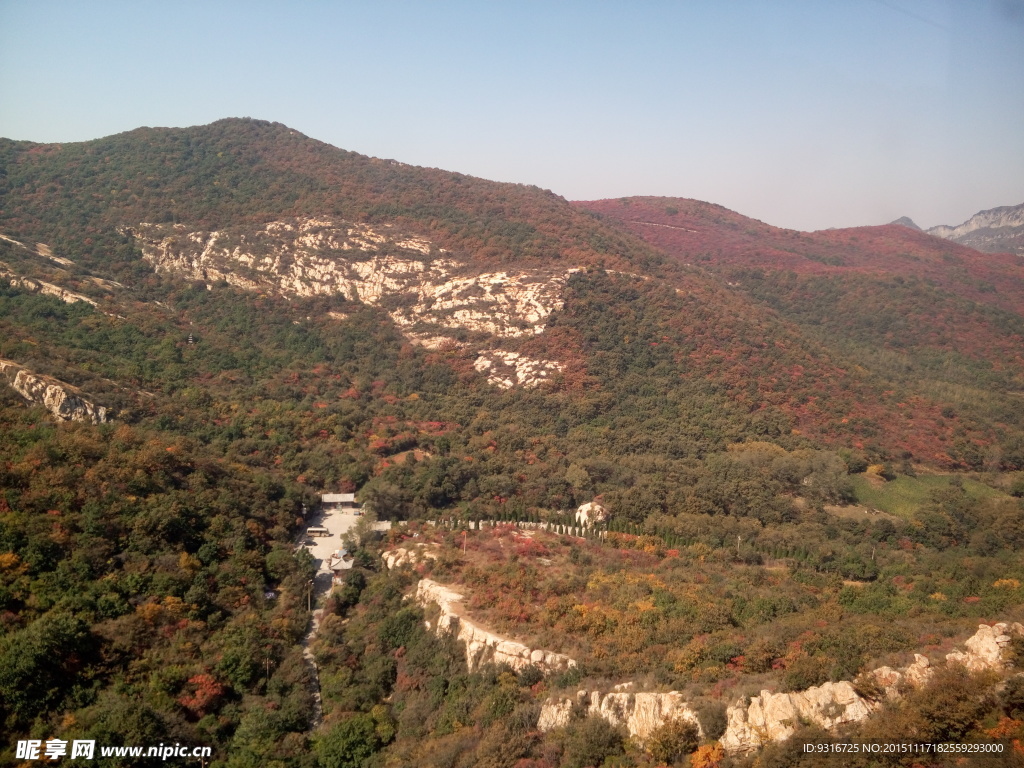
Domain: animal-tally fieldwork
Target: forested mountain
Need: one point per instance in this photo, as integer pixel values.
(211, 326)
(927, 316)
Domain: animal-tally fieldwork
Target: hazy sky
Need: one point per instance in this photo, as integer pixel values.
(803, 113)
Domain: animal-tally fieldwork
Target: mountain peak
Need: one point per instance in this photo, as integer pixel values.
(996, 230)
(906, 221)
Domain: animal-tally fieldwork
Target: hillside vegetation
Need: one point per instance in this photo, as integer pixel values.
(740, 410)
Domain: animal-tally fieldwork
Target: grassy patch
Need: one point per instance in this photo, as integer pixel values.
(905, 495)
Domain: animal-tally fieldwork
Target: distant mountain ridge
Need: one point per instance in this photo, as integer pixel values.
(993, 231)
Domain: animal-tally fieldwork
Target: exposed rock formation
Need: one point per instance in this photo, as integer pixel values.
(986, 649)
(892, 680)
(641, 713)
(776, 716)
(507, 369)
(773, 717)
(396, 558)
(591, 513)
(994, 230)
(482, 646)
(62, 400)
(40, 286)
(422, 288)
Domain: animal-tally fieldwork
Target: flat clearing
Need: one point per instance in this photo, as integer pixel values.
(905, 495)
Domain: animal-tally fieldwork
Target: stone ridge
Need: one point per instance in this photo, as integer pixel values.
(483, 646)
(39, 286)
(776, 716)
(62, 400)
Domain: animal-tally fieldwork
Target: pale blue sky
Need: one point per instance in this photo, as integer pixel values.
(802, 113)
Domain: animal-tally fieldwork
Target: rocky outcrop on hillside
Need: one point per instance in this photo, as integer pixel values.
(396, 558)
(776, 716)
(60, 399)
(507, 369)
(39, 286)
(987, 648)
(483, 646)
(641, 713)
(428, 294)
(994, 231)
(772, 716)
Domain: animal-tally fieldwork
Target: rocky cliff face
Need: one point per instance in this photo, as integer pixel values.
(995, 230)
(62, 400)
(428, 293)
(776, 716)
(641, 713)
(483, 646)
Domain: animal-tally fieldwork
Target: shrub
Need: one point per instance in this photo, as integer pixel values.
(591, 741)
(673, 741)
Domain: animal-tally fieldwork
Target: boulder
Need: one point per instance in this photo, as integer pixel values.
(986, 648)
(590, 513)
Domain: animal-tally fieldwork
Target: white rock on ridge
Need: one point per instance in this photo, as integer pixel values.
(42, 287)
(776, 716)
(641, 713)
(554, 713)
(396, 558)
(482, 646)
(773, 717)
(996, 230)
(986, 649)
(62, 400)
(408, 276)
(915, 675)
(507, 369)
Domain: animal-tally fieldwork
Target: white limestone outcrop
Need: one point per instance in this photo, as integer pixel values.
(776, 716)
(396, 558)
(507, 369)
(893, 680)
(42, 287)
(772, 716)
(423, 289)
(986, 649)
(483, 646)
(591, 513)
(642, 713)
(60, 399)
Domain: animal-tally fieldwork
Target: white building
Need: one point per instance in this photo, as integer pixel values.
(339, 502)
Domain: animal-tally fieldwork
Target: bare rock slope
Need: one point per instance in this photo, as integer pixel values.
(62, 400)
(433, 297)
